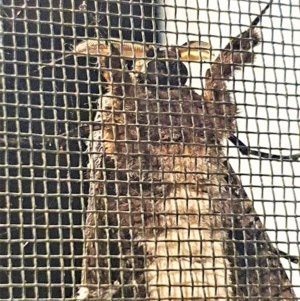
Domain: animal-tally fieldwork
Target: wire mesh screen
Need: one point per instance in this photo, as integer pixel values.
(149, 150)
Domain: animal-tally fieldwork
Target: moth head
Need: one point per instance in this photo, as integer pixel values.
(164, 66)
(154, 66)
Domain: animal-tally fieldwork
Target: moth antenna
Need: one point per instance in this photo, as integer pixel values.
(96, 47)
(195, 51)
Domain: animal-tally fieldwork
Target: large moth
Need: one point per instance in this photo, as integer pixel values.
(167, 219)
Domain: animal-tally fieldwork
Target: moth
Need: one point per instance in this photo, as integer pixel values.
(167, 218)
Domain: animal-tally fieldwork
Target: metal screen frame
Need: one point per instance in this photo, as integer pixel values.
(50, 98)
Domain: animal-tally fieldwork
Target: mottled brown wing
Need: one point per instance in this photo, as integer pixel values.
(258, 273)
(256, 269)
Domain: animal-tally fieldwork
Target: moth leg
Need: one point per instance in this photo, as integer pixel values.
(248, 151)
